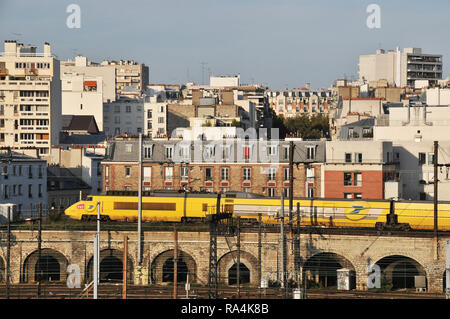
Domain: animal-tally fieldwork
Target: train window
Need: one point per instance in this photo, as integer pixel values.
(205, 207)
(89, 198)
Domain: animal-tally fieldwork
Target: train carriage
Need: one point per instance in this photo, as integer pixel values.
(173, 206)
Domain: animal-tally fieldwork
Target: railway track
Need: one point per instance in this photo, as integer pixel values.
(114, 291)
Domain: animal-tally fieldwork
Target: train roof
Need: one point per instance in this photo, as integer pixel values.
(238, 194)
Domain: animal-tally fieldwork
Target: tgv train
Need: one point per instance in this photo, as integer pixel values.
(175, 206)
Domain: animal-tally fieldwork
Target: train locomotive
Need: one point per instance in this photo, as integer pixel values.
(174, 206)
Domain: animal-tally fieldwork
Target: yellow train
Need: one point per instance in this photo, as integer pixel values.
(176, 207)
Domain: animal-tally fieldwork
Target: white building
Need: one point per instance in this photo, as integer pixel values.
(30, 97)
(23, 182)
(401, 68)
(225, 80)
(83, 95)
(413, 130)
(125, 115)
(89, 69)
(438, 96)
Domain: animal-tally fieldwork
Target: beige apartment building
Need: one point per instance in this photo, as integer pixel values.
(402, 68)
(131, 77)
(30, 98)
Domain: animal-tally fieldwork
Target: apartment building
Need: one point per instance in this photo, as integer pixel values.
(81, 67)
(216, 166)
(23, 182)
(291, 103)
(129, 74)
(361, 169)
(402, 68)
(83, 95)
(125, 115)
(30, 97)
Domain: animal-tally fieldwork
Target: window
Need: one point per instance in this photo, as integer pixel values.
(272, 150)
(348, 157)
(168, 173)
(40, 190)
(160, 120)
(147, 174)
(286, 192)
(184, 173)
(430, 158)
(358, 157)
(169, 151)
(357, 195)
(148, 151)
(127, 188)
(310, 152)
(30, 171)
(128, 109)
(149, 114)
(149, 125)
(285, 152)
(271, 192)
(30, 191)
(421, 158)
(348, 179)
(183, 151)
(127, 171)
(209, 152)
(348, 195)
(226, 152)
(106, 173)
(358, 179)
(310, 192)
(224, 173)
(246, 151)
(128, 148)
(246, 190)
(286, 173)
(246, 173)
(116, 119)
(208, 173)
(271, 175)
(116, 108)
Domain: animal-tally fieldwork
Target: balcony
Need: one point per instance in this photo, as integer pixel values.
(32, 71)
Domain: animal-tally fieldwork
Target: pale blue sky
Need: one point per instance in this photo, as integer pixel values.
(277, 43)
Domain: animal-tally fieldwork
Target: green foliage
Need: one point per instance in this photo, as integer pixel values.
(304, 126)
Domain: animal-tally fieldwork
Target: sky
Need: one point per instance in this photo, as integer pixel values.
(278, 43)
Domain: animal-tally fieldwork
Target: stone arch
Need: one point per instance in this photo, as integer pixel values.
(249, 266)
(51, 266)
(162, 267)
(111, 266)
(399, 271)
(321, 268)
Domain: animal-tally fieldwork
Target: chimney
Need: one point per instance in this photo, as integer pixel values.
(10, 47)
(47, 50)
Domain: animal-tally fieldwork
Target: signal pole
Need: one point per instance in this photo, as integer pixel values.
(8, 256)
(140, 202)
(435, 164)
(39, 247)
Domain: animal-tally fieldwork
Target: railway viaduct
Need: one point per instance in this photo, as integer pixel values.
(400, 257)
